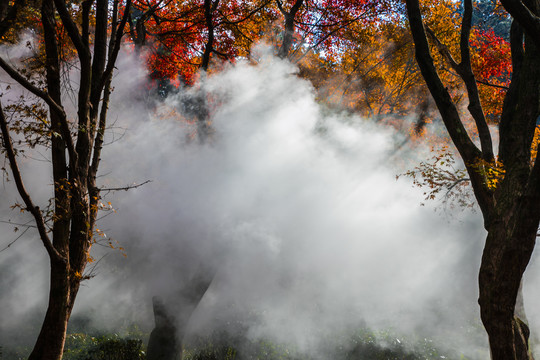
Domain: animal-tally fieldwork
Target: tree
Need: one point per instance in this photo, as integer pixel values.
(182, 37)
(66, 231)
(172, 317)
(507, 187)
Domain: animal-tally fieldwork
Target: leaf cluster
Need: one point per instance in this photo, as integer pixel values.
(441, 178)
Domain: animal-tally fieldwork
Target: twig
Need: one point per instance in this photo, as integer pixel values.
(455, 183)
(18, 224)
(126, 188)
(492, 85)
(17, 238)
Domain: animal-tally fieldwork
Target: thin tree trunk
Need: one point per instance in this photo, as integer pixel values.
(209, 8)
(50, 342)
(288, 34)
(288, 31)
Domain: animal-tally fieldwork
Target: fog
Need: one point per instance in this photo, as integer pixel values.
(295, 207)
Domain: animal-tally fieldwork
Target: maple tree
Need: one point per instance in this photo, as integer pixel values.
(74, 141)
(508, 205)
(181, 37)
(359, 51)
(443, 177)
(373, 73)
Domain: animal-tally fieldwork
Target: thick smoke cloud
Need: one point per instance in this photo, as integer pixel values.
(295, 207)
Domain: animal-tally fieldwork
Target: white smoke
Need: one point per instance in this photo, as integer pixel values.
(295, 206)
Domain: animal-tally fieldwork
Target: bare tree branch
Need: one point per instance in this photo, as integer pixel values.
(443, 50)
(119, 33)
(82, 49)
(464, 70)
(126, 188)
(33, 209)
(475, 107)
(17, 238)
(66, 133)
(250, 14)
(29, 86)
(492, 85)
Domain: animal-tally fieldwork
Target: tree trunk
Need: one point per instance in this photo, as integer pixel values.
(288, 34)
(50, 342)
(506, 255)
(288, 31)
(166, 339)
(209, 8)
(162, 344)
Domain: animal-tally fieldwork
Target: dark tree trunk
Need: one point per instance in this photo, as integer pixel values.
(171, 322)
(288, 35)
(499, 280)
(162, 344)
(288, 31)
(50, 342)
(209, 8)
(514, 220)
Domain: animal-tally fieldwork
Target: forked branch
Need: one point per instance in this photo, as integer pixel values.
(66, 133)
(113, 55)
(449, 114)
(82, 49)
(475, 107)
(464, 70)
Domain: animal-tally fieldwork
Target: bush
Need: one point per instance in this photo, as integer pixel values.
(107, 347)
(117, 349)
(363, 344)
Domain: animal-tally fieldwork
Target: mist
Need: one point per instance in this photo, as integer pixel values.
(295, 207)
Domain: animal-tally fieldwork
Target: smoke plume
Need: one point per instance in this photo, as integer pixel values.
(294, 207)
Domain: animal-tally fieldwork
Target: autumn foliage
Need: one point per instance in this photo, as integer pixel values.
(359, 56)
(492, 65)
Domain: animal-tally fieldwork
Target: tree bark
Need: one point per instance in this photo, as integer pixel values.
(50, 342)
(501, 270)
